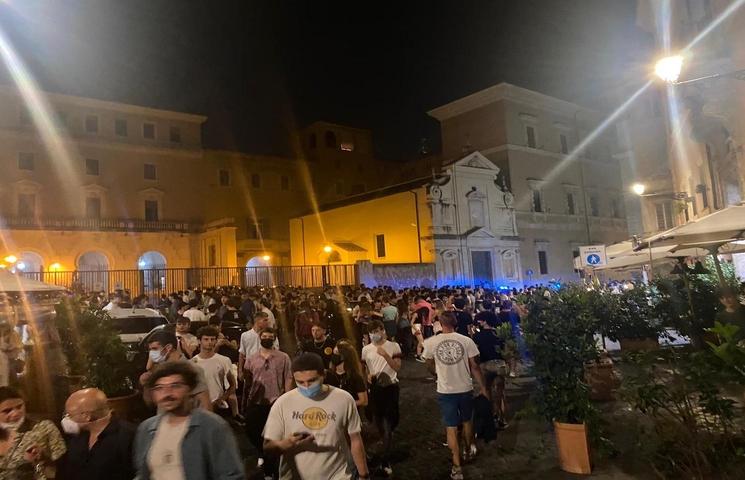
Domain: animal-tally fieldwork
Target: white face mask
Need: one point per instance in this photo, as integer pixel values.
(70, 426)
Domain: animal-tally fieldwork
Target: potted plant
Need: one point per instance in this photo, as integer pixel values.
(560, 334)
(96, 354)
(631, 319)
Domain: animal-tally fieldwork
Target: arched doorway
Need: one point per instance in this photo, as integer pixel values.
(30, 262)
(152, 265)
(93, 271)
(258, 271)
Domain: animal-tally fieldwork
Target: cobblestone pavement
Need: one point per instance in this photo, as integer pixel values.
(524, 451)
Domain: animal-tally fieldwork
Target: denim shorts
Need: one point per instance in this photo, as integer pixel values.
(456, 408)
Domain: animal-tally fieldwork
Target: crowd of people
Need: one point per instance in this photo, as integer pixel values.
(309, 372)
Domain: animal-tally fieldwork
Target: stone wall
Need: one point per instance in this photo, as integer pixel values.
(397, 275)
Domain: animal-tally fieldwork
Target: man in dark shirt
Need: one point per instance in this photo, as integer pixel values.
(733, 313)
(321, 344)
(491, 363)
(464, 318)
(99, 446)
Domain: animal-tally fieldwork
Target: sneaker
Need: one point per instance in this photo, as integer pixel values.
(472, 452)
(456, 473)
(419, 359)
(260, 462)
(502, 425)
(387, 470)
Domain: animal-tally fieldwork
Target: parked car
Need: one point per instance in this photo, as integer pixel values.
(134, 324)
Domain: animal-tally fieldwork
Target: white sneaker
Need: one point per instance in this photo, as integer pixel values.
(456, 473)
(260, 462)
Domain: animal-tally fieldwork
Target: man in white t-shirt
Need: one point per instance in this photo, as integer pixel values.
(217, 369)
(251, 341)
(308, 427)
(454, 358)
(382, 360)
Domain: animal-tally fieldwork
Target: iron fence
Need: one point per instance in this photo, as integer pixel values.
(159, 281)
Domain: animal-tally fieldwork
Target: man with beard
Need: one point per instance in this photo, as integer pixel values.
(182, 438)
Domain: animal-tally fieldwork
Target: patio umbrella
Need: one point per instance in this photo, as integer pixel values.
(10, 283)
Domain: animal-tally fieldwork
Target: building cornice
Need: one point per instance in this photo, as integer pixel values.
(114, 106)
(505, 91)
(507, 147)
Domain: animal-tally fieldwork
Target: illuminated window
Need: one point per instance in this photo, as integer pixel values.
(120, 127)
(347, 146)
(91, 166)
(91, 124)
(151, 172)
(664, 213)
(257, 229)
(151, 210)
(174, 134)
(224, 176)
(148, 130)
(25, 161)
(380, 245)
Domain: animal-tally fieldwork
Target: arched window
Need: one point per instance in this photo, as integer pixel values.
(92, 262)
(330, 139)
(30, 262)
(509, 264)
(153, 266)
(93, 268)
(150, 260)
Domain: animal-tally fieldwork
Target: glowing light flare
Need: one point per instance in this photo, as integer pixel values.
(21, 266)
(11, 259)
(266, 258)
(55, 267)
(668, 68)
(328, 249)
(638, 188)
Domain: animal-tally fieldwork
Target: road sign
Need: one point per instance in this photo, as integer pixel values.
(593, 255)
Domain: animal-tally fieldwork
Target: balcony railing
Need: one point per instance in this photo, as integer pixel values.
(97, 224)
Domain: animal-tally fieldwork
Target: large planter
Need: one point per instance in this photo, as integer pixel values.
(124, 407)
(639, 344)
(571, 443)
(601, 378)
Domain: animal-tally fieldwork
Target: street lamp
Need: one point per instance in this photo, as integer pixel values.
(328, 249)
(11, 259)
(638, 188)
(266, 258)
(668, 68)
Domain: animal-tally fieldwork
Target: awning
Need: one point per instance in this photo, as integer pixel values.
(722, 226)
(350, 247)
(15, 283)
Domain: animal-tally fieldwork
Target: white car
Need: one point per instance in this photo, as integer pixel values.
(134, 324)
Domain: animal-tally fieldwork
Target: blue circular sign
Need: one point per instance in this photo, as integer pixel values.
(593, 259)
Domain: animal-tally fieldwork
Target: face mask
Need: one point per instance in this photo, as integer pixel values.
(312, 391)
(70, 426)
(157, 356)
(376, 337)
(336, 359)
(12, 425)
(267, 343)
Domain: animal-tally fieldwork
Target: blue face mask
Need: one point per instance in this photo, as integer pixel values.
(311, 391)
(157, 356)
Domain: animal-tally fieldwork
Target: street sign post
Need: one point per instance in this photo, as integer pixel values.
(593, 255)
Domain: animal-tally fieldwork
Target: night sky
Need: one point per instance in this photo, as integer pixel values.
(259, 69)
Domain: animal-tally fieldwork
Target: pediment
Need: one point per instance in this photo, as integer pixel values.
(479, 232)
(477, 160)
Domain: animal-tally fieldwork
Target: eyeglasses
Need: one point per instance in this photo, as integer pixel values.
(162, 387)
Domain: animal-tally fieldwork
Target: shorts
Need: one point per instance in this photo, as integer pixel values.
(428, 331)
(494, 368)
(456, 408)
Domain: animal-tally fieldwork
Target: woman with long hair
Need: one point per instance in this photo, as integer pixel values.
(346, 372)
(31, 448)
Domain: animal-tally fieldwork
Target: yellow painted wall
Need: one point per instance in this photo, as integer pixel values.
(393, 216)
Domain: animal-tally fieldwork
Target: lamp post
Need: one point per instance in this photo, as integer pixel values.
(328, 250)
(669, 68)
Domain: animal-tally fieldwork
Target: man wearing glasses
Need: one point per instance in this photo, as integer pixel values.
(99, 445)
(267, 376)
(182, 438)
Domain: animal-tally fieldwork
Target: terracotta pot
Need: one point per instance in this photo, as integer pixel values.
(601, 379)
(639, 344)
(124, 406)
(571, 443)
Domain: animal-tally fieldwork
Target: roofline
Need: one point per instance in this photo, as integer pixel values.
(502, 91)
(115, 106)
(371, 195)
(338, 125)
